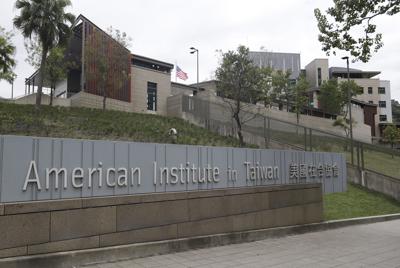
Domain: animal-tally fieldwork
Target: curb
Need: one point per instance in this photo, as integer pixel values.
(117, 253)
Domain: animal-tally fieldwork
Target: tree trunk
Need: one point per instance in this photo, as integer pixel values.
(104, 98)
(392, 150)
(41, 77)
(51, 95)
(239, 130)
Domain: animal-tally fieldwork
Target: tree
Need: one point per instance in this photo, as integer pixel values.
(396, 111)
(7, 51)
(238, 83)
(301, 97)
(391, 134)
(281, 87)
(120, 37)
(351, 17)
(333, 96)
(333, 99)
(330, 99)
(47, 20)
(266, 94)
(56, 68)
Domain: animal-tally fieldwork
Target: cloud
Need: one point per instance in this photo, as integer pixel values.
(166, 29)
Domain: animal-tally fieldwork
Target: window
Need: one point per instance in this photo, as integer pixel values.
(360, 90)
(151, 96)
(371, 102)
(381, 90)
(369, 90)
(382, 104)
(383, 117)
(319, 77)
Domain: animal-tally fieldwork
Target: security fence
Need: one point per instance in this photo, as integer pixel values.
(267, 132)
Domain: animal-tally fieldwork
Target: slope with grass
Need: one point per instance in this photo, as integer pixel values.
(358, 202)
(84, 123)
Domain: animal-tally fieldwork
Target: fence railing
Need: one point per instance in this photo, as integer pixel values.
(270, 132)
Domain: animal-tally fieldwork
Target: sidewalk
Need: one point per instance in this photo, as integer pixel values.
(372, 245)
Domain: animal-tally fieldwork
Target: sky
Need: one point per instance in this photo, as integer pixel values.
(165, 30)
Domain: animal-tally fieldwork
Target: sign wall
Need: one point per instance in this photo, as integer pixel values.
(48, 168)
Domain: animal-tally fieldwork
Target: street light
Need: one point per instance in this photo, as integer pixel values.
(192, 51)
(349, 107)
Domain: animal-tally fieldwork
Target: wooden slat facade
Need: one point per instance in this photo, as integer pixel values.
(96, 44)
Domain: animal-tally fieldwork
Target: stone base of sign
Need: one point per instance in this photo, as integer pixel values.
(66, 225)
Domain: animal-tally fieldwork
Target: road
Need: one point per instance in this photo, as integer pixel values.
(372, 245)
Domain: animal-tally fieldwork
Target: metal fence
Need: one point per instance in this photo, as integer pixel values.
(273, 133)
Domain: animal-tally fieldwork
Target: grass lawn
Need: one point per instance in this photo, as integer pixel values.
(84, 123)
(358, 202)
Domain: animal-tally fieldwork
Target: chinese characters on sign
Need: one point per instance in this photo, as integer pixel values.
(312, 171)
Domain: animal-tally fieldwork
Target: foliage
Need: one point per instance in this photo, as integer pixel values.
(333, 96)
(84, 123)
(301, 96)
(330, 98)
(48, 21)
(266, 94)
(56, 68)
(7, 51)
(351, 17)
(120, 37)
(238, 83)
(391, 135)
(281, 87)
(358, 202)
(33, 51)
(396, 111)
(344, 123)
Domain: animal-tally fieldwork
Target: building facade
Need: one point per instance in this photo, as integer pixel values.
(132, 82)
(288, 62)
(374, 93)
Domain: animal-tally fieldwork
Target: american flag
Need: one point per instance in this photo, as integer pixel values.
(181, 74)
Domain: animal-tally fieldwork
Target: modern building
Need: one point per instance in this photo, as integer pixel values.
(133, 83)
(278, 61)
(374, 92)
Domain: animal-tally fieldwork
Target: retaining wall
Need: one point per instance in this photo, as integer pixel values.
(51, 226)
(374, 181)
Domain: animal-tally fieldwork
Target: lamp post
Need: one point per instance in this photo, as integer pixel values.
(349, 108)
(192, 51)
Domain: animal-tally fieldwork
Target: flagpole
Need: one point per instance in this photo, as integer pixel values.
(176, 75)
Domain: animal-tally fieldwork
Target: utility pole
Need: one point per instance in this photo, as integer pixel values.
(349, 108)
(192, 51)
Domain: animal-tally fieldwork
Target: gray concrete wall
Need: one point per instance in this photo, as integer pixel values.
(31, 99)
(53, 226)
(374, 181)
(83, 99)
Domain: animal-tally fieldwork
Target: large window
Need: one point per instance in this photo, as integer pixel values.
(382, 104)
(370, 90)
(151, 96)
(381, 90)
(383, 117)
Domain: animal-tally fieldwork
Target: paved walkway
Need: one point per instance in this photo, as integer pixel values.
(373, 245)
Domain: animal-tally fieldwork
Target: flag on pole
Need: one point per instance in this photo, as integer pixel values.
(181, 74)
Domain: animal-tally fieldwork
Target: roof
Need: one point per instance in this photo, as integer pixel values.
(354, 73)
(81, 17)
(363, 103)
(184, 86)
(152, 61)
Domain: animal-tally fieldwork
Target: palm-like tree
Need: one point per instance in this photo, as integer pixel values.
(7, 51)
(48, 20)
